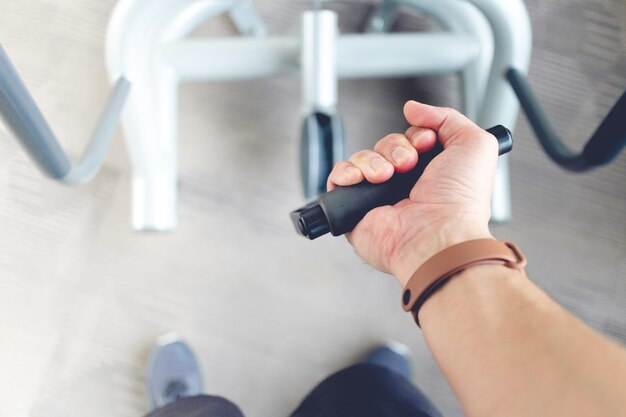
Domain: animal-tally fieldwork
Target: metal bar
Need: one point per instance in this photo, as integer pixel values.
(319, 61)
(605, 144)
(246, 19)
(358, 56)
(510, 23)
(101, 138)
(22, 116)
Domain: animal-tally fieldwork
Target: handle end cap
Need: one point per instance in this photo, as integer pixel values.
(310, 221)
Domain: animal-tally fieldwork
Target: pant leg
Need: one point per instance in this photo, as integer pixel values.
(198, 406)
(366, 390)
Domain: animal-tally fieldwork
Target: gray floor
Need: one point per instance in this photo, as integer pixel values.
(270, 314)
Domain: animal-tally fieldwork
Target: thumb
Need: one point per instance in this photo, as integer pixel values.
(450, 125)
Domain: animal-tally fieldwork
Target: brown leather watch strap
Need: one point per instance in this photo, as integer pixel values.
(433, 273)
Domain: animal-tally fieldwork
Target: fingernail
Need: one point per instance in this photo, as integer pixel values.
(350, 170)
(399, 154)
(377, 164)
(417, 137)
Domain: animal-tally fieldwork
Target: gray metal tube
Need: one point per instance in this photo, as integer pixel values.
(101, 138)
(22, 116)
(24, 119)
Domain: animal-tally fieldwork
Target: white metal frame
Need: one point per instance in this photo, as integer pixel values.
(146, 42)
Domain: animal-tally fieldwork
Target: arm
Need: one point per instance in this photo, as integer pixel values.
(506, 348)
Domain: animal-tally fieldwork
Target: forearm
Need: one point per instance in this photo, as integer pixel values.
(509, 350)
(506, 347)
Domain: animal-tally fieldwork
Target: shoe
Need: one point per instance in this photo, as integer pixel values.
(172, 372)
(393, 356)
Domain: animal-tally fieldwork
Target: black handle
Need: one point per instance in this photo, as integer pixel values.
(605, 144)
(340, 210)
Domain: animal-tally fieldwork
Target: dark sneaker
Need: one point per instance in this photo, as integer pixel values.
(172, 372)
(393, 356)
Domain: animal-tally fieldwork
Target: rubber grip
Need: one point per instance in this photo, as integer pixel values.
(340, 210)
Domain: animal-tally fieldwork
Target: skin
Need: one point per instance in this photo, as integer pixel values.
(506, 348)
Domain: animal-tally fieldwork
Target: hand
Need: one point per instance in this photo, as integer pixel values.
(449, 204)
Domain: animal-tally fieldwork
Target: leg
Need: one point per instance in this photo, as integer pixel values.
(375, 387)
(198, 406)
(174, 384)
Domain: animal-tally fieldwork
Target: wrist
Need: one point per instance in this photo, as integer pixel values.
(420, 247)
(483, 288)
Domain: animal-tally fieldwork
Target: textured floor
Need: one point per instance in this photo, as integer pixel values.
(269, 314)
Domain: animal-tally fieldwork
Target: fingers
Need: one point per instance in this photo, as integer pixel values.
(399, 153)
(373, 165)
(343, 174)
(397, 149)
(362, 165)
(421, 139)
(449, 124)
(392, 153)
